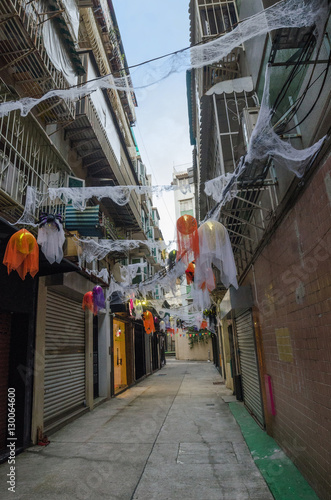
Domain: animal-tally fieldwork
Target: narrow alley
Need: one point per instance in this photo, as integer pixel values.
(170, 437)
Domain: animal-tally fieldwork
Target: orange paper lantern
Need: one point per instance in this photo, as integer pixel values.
(22, 254)
(187, 238)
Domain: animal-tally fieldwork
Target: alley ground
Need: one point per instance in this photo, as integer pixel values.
(171, 437)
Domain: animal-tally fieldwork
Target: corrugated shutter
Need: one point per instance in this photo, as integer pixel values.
(249, 365)
(64, 357)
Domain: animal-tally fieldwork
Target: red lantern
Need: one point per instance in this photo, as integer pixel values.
(22, 254)
(187, 238)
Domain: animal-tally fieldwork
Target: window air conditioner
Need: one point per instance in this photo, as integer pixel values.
(11, 179)
(249, 119)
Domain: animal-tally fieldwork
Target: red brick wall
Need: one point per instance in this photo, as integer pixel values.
(293, 291)
(5, 319)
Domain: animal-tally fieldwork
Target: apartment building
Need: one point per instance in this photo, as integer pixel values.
(273, 333)
(58, 356)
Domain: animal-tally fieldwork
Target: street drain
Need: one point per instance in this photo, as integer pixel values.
(161, 374)
(210, 404)
(218, 383)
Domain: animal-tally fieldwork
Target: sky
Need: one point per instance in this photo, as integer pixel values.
(151, 28)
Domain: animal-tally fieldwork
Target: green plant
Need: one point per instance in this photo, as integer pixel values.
(195, 337)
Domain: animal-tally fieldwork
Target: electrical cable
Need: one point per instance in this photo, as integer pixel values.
(302, 97)
(203, 42)
(317, 98)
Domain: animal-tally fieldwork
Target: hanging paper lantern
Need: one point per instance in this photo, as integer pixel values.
(98, 299)
(88, 301)
(215, 248)
(172, 322)
(172, 257)
(51, 237)
(190, 273)
(162, 326)
(22, 254)
(187, 238)
(204, 325)
(148, 322)
(138, 310)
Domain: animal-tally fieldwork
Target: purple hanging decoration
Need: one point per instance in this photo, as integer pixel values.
(98, 299)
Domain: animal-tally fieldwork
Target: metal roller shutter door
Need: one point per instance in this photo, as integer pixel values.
(64, 357)
(249, 365)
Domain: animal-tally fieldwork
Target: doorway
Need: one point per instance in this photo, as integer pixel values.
(95, 357)
(120, 374)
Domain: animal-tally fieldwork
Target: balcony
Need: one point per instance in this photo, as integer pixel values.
(27, 158)
(25, 64)
(217, 18)
(90, 141)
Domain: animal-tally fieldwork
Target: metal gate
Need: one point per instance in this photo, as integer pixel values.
(64, 357)
(249, 365)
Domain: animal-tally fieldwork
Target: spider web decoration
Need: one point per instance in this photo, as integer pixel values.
(284, 14)
(264, 141)
(91, 250)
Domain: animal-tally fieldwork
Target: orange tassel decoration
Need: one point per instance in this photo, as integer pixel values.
(22, 254)
(148, 322)
(88, 302)
(187, 238)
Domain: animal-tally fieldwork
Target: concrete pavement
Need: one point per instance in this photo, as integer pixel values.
(171, 437)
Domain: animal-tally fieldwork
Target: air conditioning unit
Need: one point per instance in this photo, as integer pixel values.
(75, 181)
(11, 179)
(249, 119)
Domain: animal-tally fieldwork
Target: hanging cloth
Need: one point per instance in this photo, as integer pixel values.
(98, 299)
(51, 239)
(189, 272)
(22, 254)
(215, 249)
(88, 302)
(148, 322)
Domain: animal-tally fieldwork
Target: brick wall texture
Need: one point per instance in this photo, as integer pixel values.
(293, 296)
(5, 320)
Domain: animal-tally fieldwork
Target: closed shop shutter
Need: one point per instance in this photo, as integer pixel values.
(249, 365)
(64, 358)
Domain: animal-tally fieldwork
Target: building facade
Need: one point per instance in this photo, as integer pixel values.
(274, 330)
(60, 358)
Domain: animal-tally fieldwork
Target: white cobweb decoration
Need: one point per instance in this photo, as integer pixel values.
(120, 195)
(266, 143)
(292, 13)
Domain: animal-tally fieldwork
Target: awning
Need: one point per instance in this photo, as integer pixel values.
(229, 86)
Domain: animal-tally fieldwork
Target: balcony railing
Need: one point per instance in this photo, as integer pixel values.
(23, 49)
(123, 176)
(27, 158)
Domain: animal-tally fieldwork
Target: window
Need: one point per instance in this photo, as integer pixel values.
(182, 182)
(217, 19)
(186, 207)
